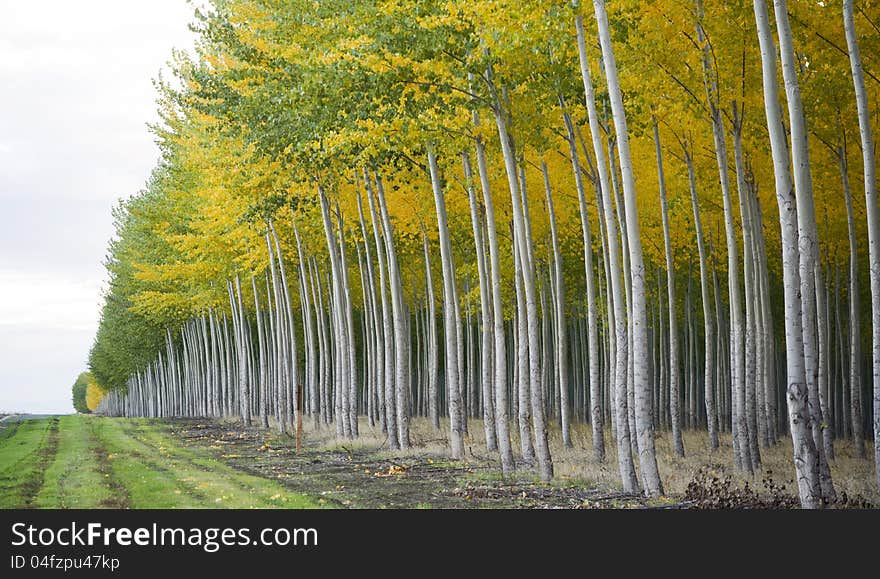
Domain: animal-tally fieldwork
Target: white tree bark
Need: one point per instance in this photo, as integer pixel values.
(644, 419)
(855, 315)
(627, 294)
(289, 342)
(869, 168)
(323, 342)
(561, 349)
(805, 456)
(433, 407)
(808, 243)
(341, 376)
(453, 388)
(264, 393)
(487, 337)
(749, 379)
(309, 328)
(592, 323)
(351, 410)
(401, 331)
(708, 325)
(622, 434)
(502, 425)
(387, 329)
(674, 378)
(521, 363)
(367, 356)
(243, 385)
(377, 348)
(741, 448)
(522, 240)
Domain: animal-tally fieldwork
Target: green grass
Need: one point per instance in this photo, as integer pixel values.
(94, 462)
(74, 479)
(20, 457)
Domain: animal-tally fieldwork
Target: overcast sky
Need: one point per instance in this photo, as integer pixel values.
(76, 95)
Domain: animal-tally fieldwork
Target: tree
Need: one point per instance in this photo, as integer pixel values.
(79, 392)
(644, 421)
(869, 168)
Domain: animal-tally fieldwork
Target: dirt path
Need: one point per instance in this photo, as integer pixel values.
(359, 478)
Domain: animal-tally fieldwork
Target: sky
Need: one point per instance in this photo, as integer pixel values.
(76, 96)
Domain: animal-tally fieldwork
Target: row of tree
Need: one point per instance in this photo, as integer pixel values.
(594, 187)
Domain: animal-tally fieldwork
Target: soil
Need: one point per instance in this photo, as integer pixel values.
(367, 478)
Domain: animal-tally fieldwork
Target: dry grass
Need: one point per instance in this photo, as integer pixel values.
(852, 475)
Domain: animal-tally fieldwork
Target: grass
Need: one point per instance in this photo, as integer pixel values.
(22, 451)
(74, 479)
(92, 462)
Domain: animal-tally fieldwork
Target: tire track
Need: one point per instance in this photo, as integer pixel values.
(184, 488)
(133, 431)
(119, 495)
(31, 487)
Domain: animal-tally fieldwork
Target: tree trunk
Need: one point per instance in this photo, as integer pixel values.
(855, 315)
(264, 406)
(340, 330)
(243, 385)
(592, 323)
(645, 428)
(708, 326)
(348, 320)
(742, 454)
(500, 347)
(433, 411)
(401, 332)
(309, 328)
(627, 294)
(386, 330)
(869, 168)
(521, 376)
(453, 388)
(485, 312)
(522, 238)
(749, 359)
(291, 357)
(622, 434)
(805, 457)
(808, 244)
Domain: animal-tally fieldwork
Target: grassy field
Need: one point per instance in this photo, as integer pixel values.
(79, 461)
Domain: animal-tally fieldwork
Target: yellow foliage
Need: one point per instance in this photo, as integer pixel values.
(94, 394)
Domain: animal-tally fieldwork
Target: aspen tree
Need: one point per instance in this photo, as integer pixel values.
(624, 456)
(644, 425)
(869, 168)
(805, 455)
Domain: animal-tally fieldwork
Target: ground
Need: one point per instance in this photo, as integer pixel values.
(360, 476)
(80, 461)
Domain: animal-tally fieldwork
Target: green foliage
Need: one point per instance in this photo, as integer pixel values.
(79, 393)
